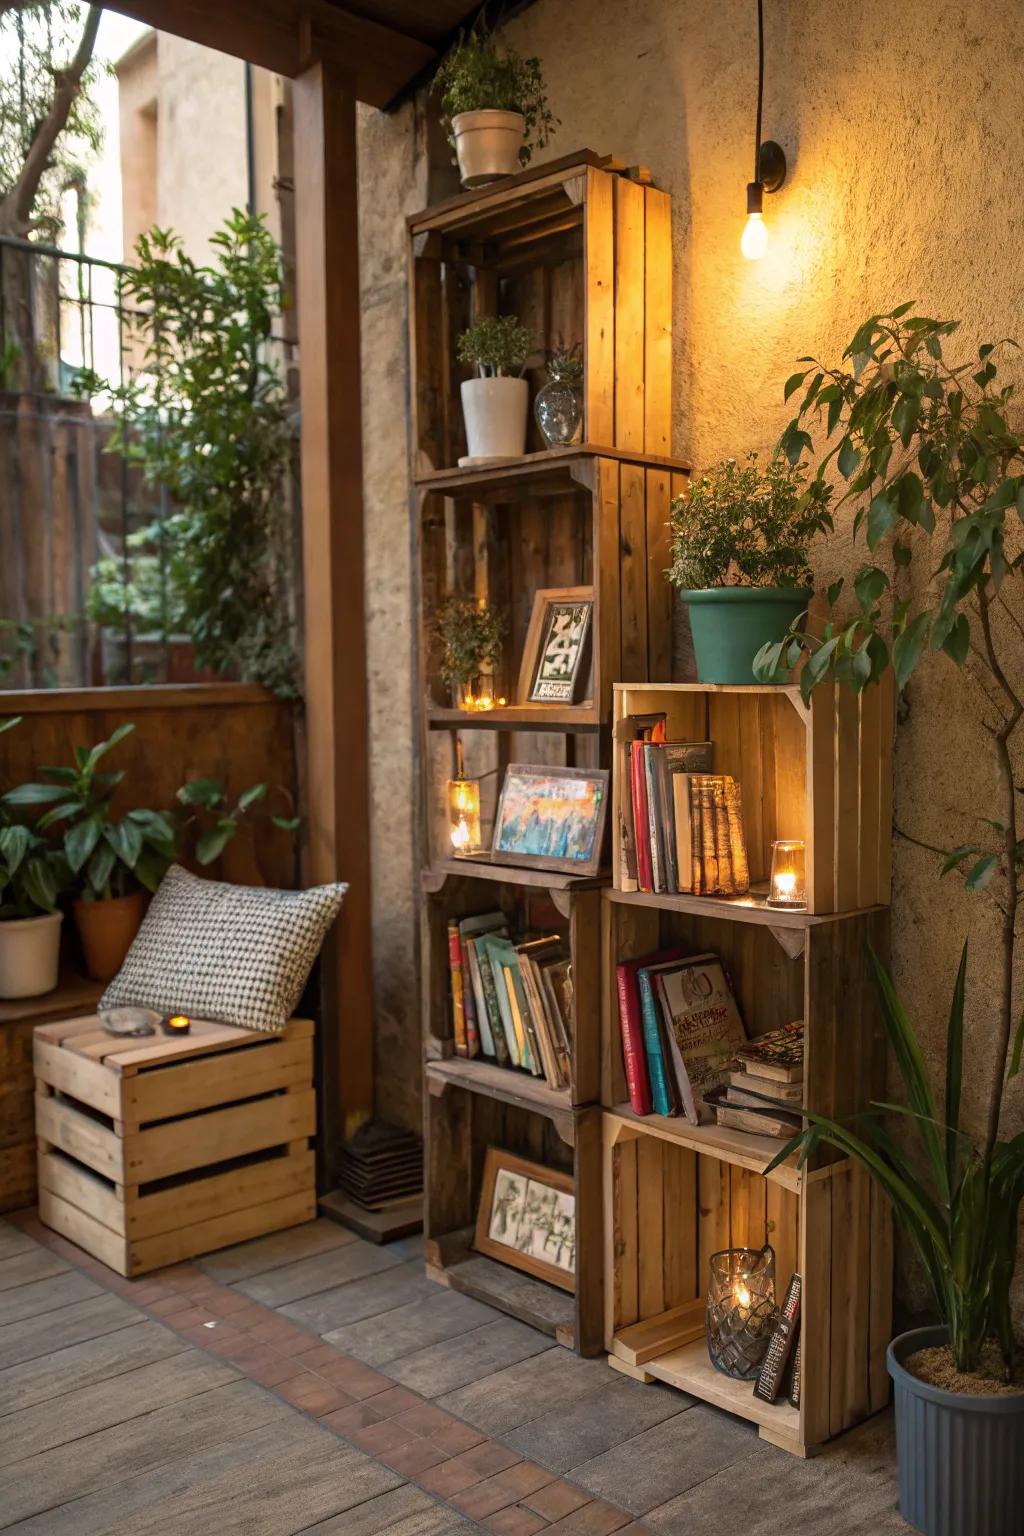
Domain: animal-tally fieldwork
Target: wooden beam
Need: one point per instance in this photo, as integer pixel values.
(286, 37)
(337, 718)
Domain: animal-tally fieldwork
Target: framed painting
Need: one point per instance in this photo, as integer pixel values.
(551, 818)
(556, 657)
(527, 1218)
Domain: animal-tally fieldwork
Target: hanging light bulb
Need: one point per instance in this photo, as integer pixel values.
(769, 166)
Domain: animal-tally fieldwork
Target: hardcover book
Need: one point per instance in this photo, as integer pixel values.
(778, 1055)
(703, 1024)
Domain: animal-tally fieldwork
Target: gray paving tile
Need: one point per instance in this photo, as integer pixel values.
(274, 1251)
(405, 1511)
(566, 1437)
(502, 1402)
(442, 1367)
(12, 1241)
(429, 1320)
(32, 1264)
(356, 1299)
(655, 1466)
(322, 1272)
(410, 1247)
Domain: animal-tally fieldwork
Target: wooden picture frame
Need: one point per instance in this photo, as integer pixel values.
(576, 686)
(527, 1218)
(572, 820)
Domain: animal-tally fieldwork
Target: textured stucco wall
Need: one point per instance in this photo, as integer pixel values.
(904, 135)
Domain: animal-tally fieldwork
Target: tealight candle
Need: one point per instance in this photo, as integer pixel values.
(178, 1024)
(740, 1309)
(787, 888)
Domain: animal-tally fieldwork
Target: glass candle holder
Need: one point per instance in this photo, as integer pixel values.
(464, 814)
(740, 1310)
(787, 885)
(477, 694)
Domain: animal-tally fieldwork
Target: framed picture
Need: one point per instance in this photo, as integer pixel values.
(556, 657)
(552, 818)
(527, 1218)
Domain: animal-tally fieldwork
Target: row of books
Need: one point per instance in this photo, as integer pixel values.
(685, 1049)
(511, 1002)
(681, 826)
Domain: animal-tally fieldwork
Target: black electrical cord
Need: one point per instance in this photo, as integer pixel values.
(760, 88)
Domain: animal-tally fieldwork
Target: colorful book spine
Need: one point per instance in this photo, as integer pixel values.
(483, 1022)
(458, 1000)
(631, 1025)
(737, 841)
(641, 820)
(661, 1097)
(654, 820)
(501, 1050)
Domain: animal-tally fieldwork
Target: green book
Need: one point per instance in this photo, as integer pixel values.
(501, 954)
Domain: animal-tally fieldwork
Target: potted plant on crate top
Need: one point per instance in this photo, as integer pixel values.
(470, 633)
(495, 404)
(932, 450)
(493, 108)
(740, 539)
(32, 877)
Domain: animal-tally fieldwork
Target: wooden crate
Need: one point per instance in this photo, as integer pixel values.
(670, 1203)
(581, 251)
(821, 772)
(153, 1150)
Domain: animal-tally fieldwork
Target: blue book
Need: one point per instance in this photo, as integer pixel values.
(661, 1098)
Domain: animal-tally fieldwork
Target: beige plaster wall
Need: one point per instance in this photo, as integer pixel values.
(904, 135)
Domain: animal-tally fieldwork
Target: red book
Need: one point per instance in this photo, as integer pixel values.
(641, 821)
(634, 1055)
(458, 998)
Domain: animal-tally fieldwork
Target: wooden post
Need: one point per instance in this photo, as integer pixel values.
(337, 723)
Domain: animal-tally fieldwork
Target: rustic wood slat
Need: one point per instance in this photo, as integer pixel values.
(657, 324)
(599, 258)
(629, 314)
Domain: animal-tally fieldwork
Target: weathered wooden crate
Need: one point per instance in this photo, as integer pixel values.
(153, 1150)
(821, 772)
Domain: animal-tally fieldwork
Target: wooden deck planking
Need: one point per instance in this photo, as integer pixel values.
(293, 1282)
(45, 1376)
(274, 1251)
(46, 1296)
(74, 1324)
(405, 1511)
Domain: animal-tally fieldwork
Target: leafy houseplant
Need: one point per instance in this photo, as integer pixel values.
(32, 877)
(495, 403)
(470, 634)
(930, 450)
(493, 108)
(739, 558)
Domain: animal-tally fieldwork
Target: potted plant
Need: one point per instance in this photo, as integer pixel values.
(558, 407)
(931, 450)
(495, 404)
(32, 876)
(470, 633)
(493, 108)
(739, 559)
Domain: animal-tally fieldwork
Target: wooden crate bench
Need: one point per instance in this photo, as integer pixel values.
(153, 1150)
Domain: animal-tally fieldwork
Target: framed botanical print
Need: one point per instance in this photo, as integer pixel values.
(527, 1218)
(551, 818)
(556, 658)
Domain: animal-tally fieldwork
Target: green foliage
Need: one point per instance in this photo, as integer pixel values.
(142, 597)
(748, 526)
(566, 364)
(478, 75)
(497, 346)
(207, 419)
(470, 634)
(32, 873)
(958, 1207)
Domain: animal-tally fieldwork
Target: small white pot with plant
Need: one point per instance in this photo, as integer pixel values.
(493, 108)
(32, 876)
(495, 405)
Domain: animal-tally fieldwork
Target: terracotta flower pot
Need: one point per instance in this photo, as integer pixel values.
(107, 929)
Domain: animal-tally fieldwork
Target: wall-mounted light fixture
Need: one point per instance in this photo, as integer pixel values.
(769, 166)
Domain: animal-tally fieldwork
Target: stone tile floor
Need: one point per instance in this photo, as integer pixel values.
(311, 1382)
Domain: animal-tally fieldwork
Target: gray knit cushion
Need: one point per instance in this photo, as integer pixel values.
(236, 954)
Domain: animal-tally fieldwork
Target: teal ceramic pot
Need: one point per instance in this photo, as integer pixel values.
(730, 624)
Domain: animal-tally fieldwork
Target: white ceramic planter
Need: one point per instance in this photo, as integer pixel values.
(487, 144)
(29, 950)
(495, 412)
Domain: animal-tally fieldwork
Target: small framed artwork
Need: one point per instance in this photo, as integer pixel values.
(553, 818)
(556, 657)
(527, 1218)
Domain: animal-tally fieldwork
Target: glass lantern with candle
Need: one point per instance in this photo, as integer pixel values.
(463, 809)
(740, 1309)
(787, 885)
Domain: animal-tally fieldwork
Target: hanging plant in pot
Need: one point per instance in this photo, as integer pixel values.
(32, 876)
(495, 405)
(470, 633)
(932, 451)
(740, 540)
(493, 108)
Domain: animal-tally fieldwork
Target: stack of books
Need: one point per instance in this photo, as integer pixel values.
(511, 1002)
(680, 1028)
(681, 826)
(381, 1165)
(765, 1088)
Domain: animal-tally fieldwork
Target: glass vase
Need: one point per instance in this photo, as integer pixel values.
(559, 410)
(740, 1310)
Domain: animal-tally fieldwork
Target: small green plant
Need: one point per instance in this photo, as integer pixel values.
(497, 347)
(478, 76)
(566, 364)
(210, 796)
(32, 873)
(742, 525)
(470, 634)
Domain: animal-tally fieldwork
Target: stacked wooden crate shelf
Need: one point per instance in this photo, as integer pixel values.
(675, 1193)
(579, 250)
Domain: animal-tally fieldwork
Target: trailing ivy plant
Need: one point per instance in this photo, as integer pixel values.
(931, 452)
(496, 347)
(470, 634)
(206, 418)
(479, 74)
(747, 525)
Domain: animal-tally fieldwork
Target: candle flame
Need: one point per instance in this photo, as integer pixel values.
(742, 1295)
(460, 833)
(785, 882)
